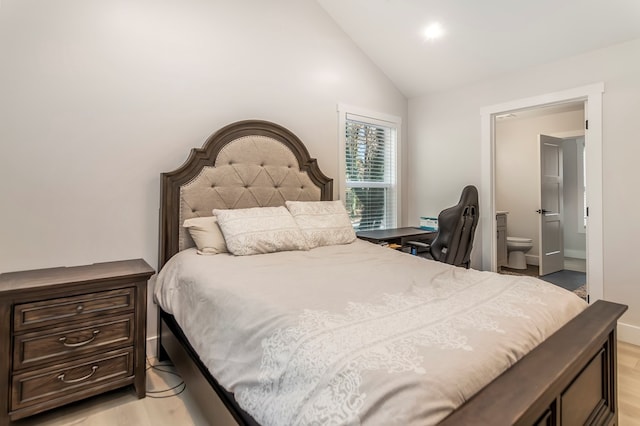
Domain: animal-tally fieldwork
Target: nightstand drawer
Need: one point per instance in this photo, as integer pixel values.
(46, 312)
(48, 346)
(69, 378)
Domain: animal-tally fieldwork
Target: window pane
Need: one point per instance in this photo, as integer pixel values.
(367, 153)
(369, 208)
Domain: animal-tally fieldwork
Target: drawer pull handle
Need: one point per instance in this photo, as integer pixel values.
(75, 345)
(79, 308)
(93, 371)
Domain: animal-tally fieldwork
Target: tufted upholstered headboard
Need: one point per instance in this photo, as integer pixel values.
(249, 163)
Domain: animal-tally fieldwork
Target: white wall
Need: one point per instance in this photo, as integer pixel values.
(517, 171)
(97, 98)
(575, 242)
(445, 138)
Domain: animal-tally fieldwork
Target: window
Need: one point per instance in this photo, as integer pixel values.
(369, 168)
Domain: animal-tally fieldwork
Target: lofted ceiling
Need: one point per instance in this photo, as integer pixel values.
(482, 39)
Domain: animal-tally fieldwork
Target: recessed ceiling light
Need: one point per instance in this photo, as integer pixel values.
(433, 31)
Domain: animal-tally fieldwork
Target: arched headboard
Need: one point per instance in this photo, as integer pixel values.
(249, 163)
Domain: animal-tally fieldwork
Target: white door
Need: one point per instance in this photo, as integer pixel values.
(551, 256)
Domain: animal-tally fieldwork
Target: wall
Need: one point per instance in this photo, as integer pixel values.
(97, 98)
(575, 243)
(445, 147)
(517, 171)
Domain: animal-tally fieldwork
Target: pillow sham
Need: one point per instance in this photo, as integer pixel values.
(259, 230)
(323, 223)
(206, 233)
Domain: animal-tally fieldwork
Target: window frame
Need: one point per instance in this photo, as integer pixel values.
(374, 118)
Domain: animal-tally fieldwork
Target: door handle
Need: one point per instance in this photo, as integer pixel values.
(542, 211)
(81, 379)
(63, 340)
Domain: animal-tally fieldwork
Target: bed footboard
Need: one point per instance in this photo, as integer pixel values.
(569, 379)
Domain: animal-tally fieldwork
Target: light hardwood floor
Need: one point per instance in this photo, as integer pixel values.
(122, 408)
(629, 384)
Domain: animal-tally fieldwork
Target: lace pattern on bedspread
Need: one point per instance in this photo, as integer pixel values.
(311, 373)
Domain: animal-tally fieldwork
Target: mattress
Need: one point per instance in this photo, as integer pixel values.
(356, 333)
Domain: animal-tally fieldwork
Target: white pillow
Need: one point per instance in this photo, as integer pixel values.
(206, 234)
(260, 230)
(323, 223)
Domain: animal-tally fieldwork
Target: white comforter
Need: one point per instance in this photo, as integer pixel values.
(356, 333)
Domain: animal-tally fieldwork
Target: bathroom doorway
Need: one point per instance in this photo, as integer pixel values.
(537, 183)
(592, 94)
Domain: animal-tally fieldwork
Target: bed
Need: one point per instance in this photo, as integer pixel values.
(553, 358)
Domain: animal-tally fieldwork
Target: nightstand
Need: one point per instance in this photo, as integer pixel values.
(70, 333)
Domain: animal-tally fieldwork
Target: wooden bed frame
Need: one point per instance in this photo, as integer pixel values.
(569, 379)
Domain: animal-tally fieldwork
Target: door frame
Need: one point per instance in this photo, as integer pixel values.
(592, 94)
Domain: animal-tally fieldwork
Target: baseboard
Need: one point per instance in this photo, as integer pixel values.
(576, 254)
(629, 333)
(152, 347)
(532, 259)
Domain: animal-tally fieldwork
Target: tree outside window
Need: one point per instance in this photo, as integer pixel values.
(370, 173)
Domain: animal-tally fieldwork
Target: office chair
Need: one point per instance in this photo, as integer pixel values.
(456, 229)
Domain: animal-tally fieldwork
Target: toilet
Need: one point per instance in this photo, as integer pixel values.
(516, 248)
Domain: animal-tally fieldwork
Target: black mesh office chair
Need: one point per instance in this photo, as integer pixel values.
(456, 229)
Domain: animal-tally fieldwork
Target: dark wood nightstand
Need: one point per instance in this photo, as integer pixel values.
(398, 236)
(71, 333)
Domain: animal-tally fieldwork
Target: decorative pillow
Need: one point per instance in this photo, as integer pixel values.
(260, 230)
(206, 234)
(323, 223)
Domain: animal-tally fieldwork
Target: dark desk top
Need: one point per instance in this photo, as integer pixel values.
(388, 234)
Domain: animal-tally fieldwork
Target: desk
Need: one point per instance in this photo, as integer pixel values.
(397, 235)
